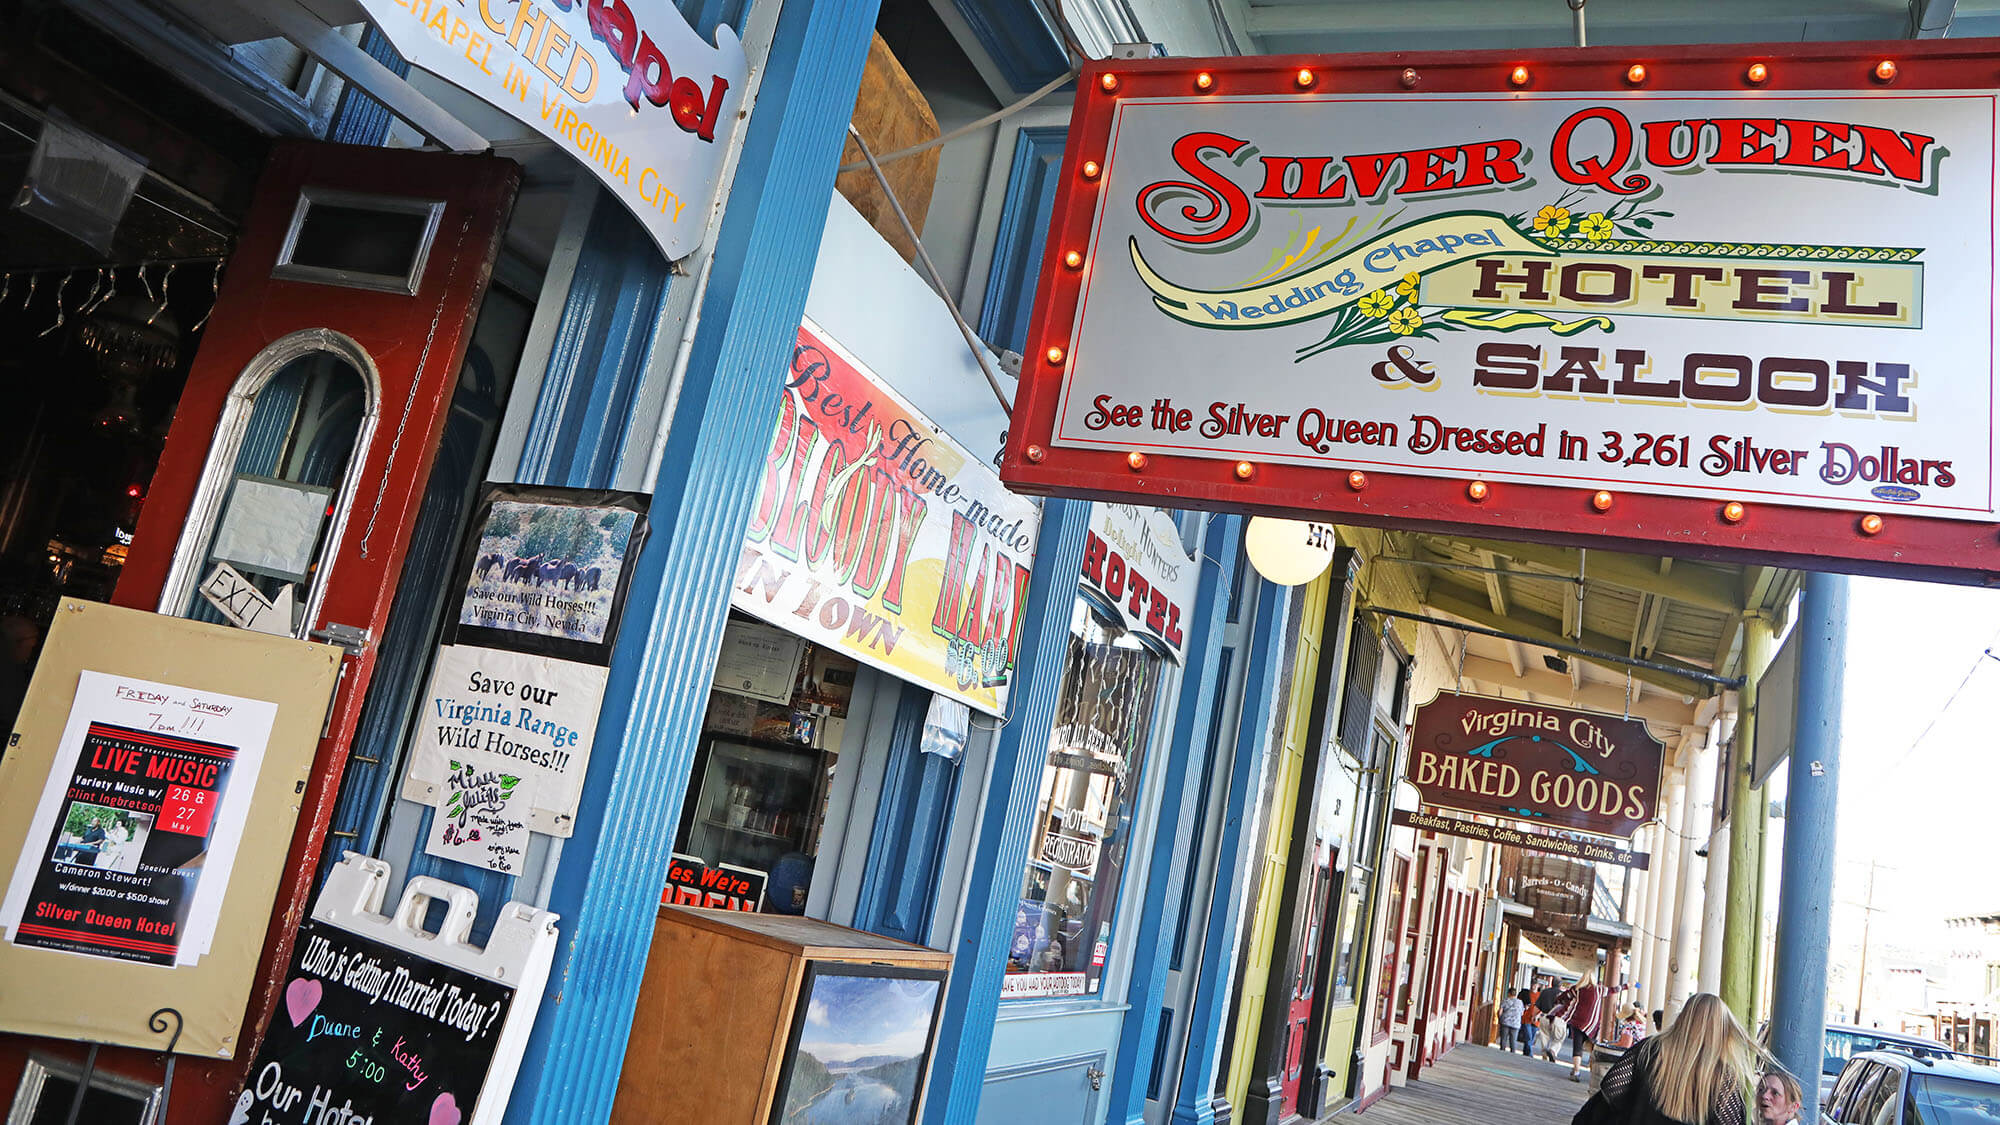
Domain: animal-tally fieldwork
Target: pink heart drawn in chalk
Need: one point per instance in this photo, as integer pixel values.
(301, 997)
(444, 1110)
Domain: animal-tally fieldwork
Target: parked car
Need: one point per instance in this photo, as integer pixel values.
(1895, 1087)
(1844, 1041)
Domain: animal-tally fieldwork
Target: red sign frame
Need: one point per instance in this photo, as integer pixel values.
(1897, 546)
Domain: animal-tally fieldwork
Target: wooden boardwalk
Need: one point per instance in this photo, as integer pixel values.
(1482, 1086)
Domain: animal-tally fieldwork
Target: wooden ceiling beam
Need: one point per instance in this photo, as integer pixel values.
(1495, 676)
(1534, 627)
(1698, 586)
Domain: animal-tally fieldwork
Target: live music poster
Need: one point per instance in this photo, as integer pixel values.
(139, 822)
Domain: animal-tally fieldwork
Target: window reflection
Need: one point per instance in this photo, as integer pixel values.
(1104, 718)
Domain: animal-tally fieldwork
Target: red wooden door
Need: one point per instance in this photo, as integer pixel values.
(1305, 981)
(326, 372)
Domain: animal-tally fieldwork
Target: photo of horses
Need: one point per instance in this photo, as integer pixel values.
(548, 569)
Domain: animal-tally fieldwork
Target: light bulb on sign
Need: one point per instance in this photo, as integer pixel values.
(1288, 552)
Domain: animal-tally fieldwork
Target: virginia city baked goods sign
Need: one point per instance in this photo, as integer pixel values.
(1551, 765)
(1755, 290)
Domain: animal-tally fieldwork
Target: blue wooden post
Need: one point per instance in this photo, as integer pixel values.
(1194, 1104)
(972, 999)
(1805, 889)
(607, 888)
(1130, 1075)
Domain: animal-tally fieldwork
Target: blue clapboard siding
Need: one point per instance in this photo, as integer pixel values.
(899, 886)
(1023, 232)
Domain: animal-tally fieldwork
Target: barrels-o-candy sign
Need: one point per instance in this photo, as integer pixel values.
(1572, 769)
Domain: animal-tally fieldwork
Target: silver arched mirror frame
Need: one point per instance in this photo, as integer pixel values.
(220, 469)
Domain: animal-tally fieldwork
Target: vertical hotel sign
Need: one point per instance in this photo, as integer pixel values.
(629, 89)
(875, 533)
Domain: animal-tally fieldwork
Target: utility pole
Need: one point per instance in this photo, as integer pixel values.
(1868, 912)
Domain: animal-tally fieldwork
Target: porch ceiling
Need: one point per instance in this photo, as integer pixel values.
(1673, 612)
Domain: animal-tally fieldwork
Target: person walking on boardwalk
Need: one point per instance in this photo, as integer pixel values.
(1697, 1072)
(1510, 1021)
(1582, 1008)
(1779, 1097)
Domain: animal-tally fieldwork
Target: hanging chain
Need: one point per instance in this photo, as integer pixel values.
(60, 290)
(1628, 693)
(214, 294)
(1460, 686)
(164, 279)
(416, 380)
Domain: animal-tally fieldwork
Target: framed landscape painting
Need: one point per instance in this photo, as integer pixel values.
(860, 1045)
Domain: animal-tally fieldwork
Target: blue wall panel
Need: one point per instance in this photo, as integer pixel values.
(599, 354)
(1023, 232)
(1019, 39)
(899, 886)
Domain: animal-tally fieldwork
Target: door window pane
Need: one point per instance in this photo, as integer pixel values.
(276, 517)
(1084, 817)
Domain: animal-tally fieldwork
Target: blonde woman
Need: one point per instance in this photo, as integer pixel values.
(1698, 1071)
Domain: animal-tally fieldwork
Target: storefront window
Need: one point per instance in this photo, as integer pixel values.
(757, 799)
(1385, 976)
(1083, 820)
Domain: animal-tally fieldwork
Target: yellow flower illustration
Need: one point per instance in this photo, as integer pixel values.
(1408, 286)
(1405, 321)
(1595, 227)
(1377, 303)
(1552, 219)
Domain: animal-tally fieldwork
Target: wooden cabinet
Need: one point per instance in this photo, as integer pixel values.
(768, 1018)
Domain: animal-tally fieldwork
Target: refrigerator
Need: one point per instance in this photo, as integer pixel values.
(755, 804)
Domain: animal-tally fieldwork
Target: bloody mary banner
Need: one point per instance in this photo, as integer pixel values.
(1554, 766)
(1576, 847)
(875, 533)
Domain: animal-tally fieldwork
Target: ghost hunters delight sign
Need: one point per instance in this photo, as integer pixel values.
(1551, 765)
(1757, 285)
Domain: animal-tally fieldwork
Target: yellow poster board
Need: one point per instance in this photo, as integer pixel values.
(147, 802)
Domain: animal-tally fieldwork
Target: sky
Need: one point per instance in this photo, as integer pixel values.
(1921, 805)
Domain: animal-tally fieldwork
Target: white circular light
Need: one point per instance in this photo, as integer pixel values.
(1288, 552)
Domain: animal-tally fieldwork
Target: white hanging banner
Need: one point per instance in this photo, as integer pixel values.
(627, 88)
(1135, 567)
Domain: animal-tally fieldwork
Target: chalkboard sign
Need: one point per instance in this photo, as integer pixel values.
(369, 1032)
